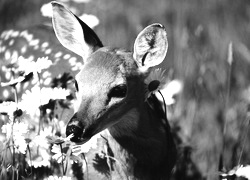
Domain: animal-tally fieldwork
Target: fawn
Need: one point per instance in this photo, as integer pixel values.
(110, 91)
(111, 95)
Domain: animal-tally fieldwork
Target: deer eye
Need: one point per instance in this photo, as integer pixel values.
(118, 91)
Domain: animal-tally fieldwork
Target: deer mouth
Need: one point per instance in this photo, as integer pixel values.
(77, 129)
(81, 133)
(78, 133)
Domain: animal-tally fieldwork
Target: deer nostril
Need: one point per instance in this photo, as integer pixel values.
(77, 131)
(76, 128)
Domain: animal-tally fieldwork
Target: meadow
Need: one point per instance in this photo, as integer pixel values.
(208, 55)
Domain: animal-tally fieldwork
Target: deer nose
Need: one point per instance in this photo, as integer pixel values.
(76, 128)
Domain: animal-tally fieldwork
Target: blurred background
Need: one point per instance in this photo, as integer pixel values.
(209, 43)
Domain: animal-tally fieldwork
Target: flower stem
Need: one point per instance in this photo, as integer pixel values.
(225, 120)
(28, 147)
(244, 142)
(40, 91)
(62, 160)
(164, 103)
(87, 168)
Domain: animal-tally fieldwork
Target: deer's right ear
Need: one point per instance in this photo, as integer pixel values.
(72, 33)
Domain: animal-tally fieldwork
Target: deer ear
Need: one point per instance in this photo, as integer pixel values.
(72, 33)
(150, 46)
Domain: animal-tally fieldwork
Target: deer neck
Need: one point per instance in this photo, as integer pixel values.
(141, 132)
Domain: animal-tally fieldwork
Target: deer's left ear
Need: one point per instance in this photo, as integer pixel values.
(150, 46)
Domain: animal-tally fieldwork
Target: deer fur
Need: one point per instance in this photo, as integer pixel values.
(111, 99)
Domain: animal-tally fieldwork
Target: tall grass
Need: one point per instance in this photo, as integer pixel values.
(208, 51)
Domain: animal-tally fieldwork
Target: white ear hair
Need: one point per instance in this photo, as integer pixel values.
(150, 47)
(72, 33)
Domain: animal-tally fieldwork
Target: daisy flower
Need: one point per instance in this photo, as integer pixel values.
(171, 89)
(18, 131)
(58, 178)
(243, 171)
(91, 20)
(39, 157)
(59, 140)
(8, 107)
(61, 152)
(34, 98)
(155, 81)
(41, 139)
(58, 155)
(238, 171)
(12, 82)
(84, 148)
(39, 149)
(42, 63)
(28, 65)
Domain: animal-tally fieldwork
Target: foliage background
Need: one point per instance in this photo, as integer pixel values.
(210, 116)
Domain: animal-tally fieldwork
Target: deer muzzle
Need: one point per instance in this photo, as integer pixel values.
(76, 128)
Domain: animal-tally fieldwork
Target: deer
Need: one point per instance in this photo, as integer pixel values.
(110, 92)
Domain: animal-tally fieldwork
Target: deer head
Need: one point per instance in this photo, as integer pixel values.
(111, 81)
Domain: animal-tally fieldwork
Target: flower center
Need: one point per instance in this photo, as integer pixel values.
(153, 85)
